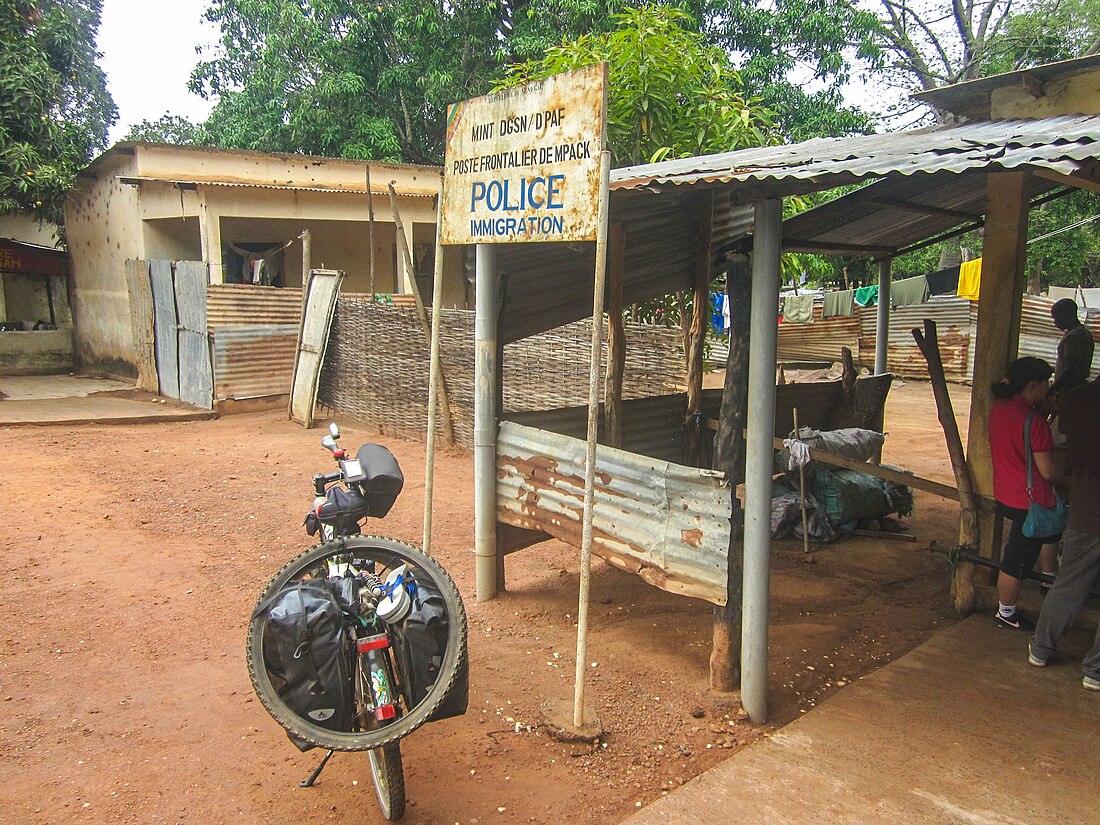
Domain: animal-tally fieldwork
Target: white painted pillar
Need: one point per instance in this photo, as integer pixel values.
(758, 457)
(882, 331)
(486, 371)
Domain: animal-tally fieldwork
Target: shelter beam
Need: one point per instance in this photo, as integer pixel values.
(767, 237)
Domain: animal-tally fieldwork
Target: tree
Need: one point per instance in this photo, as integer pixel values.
(54, 106)
(670, 94)
(939, 43)
(335, 77)
(169, 128)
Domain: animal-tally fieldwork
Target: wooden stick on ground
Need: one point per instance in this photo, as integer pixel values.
(968, 528)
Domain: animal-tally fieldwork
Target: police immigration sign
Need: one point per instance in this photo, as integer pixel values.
(524, 164)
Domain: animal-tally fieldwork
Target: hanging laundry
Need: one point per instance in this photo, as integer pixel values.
(839, 303)
(716, 299)
(867, 296)
(909, 291)
(970, 279)
(944, 281)
(725, 313)
(798, 309)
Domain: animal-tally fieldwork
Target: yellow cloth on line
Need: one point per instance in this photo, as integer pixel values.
(970, 279)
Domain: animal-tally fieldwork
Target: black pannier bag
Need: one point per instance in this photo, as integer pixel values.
(307, 657)
(421, 641)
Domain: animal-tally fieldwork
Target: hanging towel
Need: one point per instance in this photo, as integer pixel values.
(725, 313)
(909, 292)
(944, 281)
(839, 303)
(867, 296)
(798, 309)
(970, 279)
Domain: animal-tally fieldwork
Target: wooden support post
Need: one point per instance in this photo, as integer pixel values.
(698, 330)
(370, 232)
(403, 243)
(998, 336)
(729, 456)
(969, 531)
(616, 337)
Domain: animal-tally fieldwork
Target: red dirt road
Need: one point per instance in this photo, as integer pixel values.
(135, 555)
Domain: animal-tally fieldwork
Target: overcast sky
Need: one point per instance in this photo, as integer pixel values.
(148, 51)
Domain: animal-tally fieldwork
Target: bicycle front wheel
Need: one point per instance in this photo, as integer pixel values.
(380, 555)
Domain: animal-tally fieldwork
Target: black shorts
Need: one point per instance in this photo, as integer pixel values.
(1020, 552)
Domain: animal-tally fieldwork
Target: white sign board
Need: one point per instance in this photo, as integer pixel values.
(523, 164)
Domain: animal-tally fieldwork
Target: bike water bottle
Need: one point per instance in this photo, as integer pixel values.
(370, 649)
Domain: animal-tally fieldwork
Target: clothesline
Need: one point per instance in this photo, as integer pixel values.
(963, 280)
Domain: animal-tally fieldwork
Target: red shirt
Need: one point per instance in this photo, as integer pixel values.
(1006, 445)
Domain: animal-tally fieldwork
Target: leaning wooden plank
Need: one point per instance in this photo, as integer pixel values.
(321, 291)
(141, 321)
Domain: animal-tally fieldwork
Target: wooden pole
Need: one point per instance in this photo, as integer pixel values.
(729, 457)
(579, 720)
(968, 529)
(435, 375)
(698, 330)
(403, 243)
(370, 231)
(616, 337)
(998, 335)
(802, 491)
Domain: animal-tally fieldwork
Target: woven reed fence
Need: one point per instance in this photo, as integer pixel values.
(376, 367)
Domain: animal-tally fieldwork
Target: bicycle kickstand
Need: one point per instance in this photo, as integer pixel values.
(308, 783)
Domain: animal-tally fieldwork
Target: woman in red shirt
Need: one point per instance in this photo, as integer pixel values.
(1018, 394)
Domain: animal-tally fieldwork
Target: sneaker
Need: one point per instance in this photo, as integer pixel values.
(1034, 660)
(1088, 683)
(1014, 622)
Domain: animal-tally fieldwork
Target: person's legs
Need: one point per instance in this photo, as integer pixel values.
(1018, 560)
(1048, 559)
(1080, 569)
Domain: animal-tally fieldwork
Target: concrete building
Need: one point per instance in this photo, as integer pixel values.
(242, 213)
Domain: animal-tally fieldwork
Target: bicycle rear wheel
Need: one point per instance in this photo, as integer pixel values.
(384, 554)
(389, 780)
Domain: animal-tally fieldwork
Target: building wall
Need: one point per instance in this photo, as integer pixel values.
(101, 221)
(20, 227)
(118, 212)
(1079, 94)
(173, 239)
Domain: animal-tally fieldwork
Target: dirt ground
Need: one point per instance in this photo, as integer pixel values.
(135, 555)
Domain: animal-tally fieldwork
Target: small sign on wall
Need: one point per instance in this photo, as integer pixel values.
(523, 165)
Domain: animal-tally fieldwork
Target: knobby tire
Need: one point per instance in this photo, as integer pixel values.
(386, 550)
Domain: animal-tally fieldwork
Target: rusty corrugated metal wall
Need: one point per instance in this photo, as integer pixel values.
(956, 322)
(253, 361)
(665, 522)
(234, 305)
(821, 340)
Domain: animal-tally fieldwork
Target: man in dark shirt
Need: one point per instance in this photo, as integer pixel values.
(1080, 570)
(1074, 349)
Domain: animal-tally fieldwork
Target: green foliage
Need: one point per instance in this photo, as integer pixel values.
(169, 128)
(1072, 257)
(334, 77)
(54, 105)
(670, 94)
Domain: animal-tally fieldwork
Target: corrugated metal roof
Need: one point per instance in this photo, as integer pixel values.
(665, 522)
(1060, 144)
(290, 187)
(974, 95)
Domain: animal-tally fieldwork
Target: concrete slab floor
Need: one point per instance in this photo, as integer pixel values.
(79, 399)
(960, 730)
